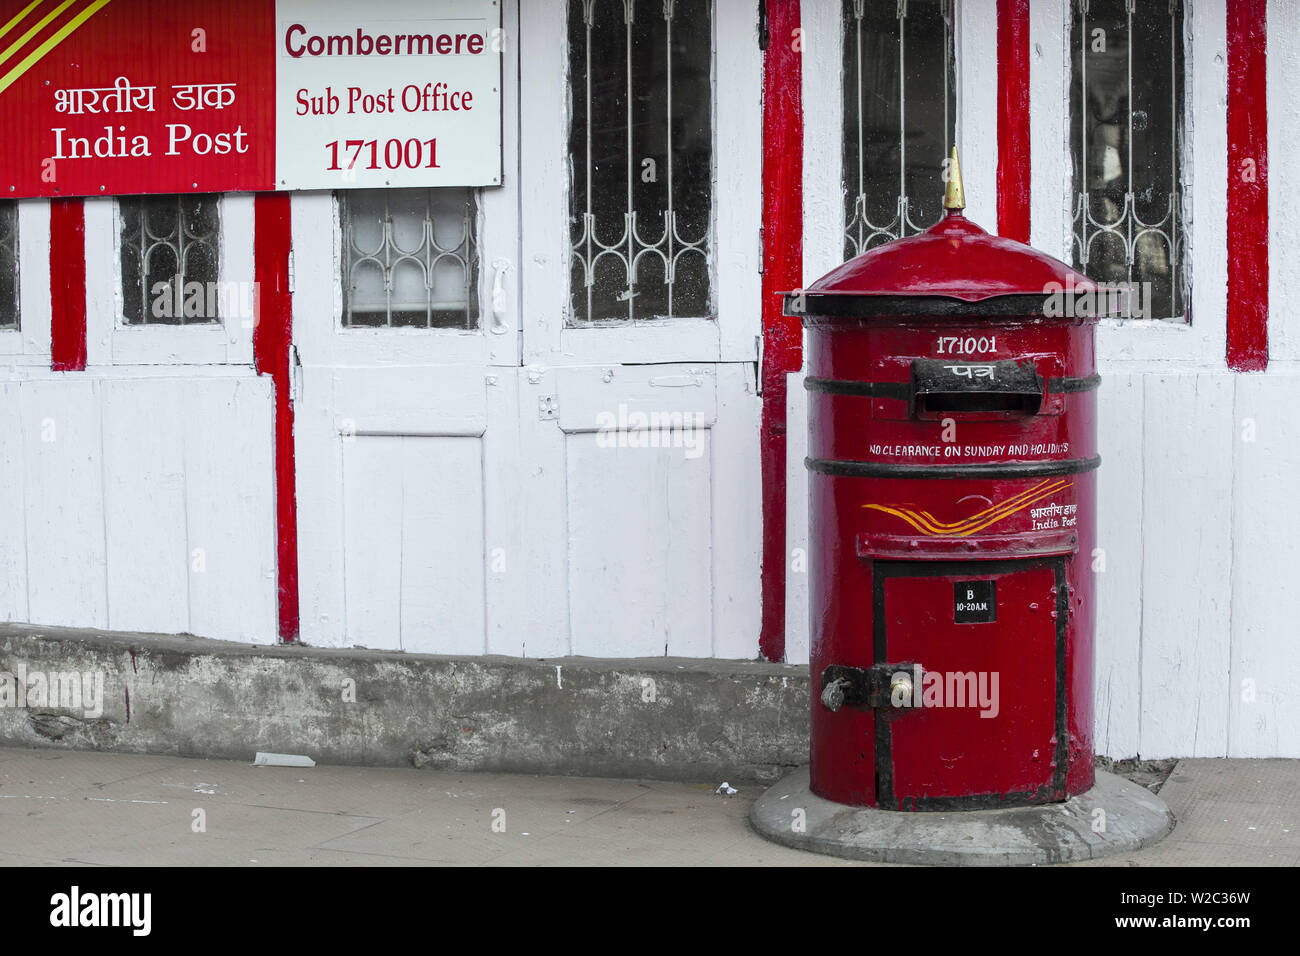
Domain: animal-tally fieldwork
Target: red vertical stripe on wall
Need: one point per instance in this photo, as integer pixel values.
(1247, 186)
(1013, 119)
(67, 285)
(782, 272)
(272, 338)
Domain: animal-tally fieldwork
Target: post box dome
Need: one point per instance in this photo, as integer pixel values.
(955, 259)
(954, 266)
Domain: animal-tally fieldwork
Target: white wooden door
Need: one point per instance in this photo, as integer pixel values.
(551, 483)
(646, 420)
(406, 350)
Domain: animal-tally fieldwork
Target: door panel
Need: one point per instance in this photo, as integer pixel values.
(414, 544)
(637, 464)
(992, 726)
(394, 512)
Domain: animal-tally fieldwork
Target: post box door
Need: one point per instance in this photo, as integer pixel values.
(988, 639)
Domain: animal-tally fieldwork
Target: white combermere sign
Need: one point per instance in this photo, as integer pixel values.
(407, 94)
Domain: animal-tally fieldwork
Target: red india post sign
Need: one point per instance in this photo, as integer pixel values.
(115, 97)
(102, 97)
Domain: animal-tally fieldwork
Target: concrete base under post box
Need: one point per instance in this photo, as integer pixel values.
(1130, 817)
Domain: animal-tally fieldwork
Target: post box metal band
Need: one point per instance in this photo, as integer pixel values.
(1089, 384)
(903, 390)
(1009, 469)
(839, 309)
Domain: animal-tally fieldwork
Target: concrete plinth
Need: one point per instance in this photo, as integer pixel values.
(1132, 817)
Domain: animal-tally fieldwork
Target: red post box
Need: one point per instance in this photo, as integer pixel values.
(952, 457)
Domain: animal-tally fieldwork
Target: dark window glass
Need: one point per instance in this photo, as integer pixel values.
(640, 159)
(170, 259)
(1126, 137)
(8, 264)
(900, 98)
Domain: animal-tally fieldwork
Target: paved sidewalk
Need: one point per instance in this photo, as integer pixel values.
(63, 807)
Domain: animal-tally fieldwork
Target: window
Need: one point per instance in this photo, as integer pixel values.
(9, 265)
(899, 117)
(409, 258)
(640, 159)
(170, 260)
(1126, 137)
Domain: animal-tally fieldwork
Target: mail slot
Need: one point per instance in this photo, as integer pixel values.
(952, 459)
(963, 388)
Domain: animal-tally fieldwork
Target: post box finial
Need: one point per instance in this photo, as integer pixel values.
(954, 196)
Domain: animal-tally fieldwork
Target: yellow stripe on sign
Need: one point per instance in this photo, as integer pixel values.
(40, 25)
(18, 19)
(26, 62)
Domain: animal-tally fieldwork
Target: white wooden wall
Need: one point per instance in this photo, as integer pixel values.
(120, 481)
(138, 504)
(1196, 636)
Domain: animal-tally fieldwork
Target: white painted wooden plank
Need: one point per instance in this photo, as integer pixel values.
(639, 550)
(591, 397)
(514, 587)
(543, 130)
(1117, 694)
(1051, 172)
(230, 516)
(441, 545)
(1186, 523)
(977, 128)
(738, 185)
(237, 272)
(1283, 64)
(144, 428)
(63, 467)
(411, 400)
(373, 488)
(1264, 709)
(13, 507)
(667, 340)
(498, 244)
(318, 463)
(103, 279)
(737, 515)
(796, 521)
(534, 593)
(823, 146)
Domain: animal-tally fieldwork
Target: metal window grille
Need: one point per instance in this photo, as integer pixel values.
(410, 258)
(899, 117)
(641, 159)
(8, 265)
(1126, 106)
(170, 259)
